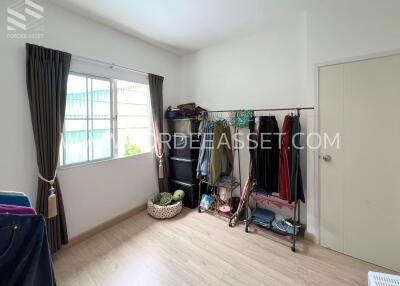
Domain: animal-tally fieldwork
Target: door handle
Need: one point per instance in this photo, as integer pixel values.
(327, 158)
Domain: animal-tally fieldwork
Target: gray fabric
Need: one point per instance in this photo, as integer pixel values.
(205, 149)
(46, 78)
(156, 95)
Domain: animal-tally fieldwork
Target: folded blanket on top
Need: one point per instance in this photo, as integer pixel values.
(15, 200)
(7, 209)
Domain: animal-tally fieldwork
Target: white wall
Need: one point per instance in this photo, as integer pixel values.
(95, 193)
(266, 69)
(275, 67)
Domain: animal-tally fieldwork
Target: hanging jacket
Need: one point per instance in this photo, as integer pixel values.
(285, 159)
(296, 182)
(252, 146)
(205, 148)
(222, 147)
(268, 154)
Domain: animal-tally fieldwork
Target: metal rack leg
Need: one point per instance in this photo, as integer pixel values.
(240, 171)
(296, 203)
(248, 222)
(294, 227)
(248, 217)
(298, 214)
(199, 209)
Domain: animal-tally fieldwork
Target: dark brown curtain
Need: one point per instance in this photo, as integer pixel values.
(156, 95)
(46, 78)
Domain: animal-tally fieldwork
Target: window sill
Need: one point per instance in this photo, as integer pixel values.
(101, 161)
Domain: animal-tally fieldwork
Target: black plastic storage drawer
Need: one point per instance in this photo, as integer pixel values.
(186, 147)
(183, 170)
(183, 126)
(191, 192)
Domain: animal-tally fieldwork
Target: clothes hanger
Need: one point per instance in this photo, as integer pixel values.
(220, 118)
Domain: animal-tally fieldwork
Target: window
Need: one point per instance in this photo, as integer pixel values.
(104, 119)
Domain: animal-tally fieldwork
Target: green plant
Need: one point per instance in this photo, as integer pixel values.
(178, 195)
(166, 199)
(131, 148)
(157, 198)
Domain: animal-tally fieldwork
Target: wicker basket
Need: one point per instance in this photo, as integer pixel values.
(163, 212)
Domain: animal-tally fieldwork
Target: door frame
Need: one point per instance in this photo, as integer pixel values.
(317, 126)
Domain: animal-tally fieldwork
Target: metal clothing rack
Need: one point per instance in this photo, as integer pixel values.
(234, 184)
(295, 206)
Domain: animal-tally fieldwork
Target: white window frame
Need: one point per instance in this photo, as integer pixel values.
(113, 123)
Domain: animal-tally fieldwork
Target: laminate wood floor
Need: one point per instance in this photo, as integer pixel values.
(199, 249)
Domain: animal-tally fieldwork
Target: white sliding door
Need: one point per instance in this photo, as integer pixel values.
(360, 182)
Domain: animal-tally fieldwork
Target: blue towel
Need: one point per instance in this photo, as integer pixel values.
(15, 200)
(264, 215)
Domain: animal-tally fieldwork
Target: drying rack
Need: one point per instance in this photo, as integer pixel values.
(264, 198)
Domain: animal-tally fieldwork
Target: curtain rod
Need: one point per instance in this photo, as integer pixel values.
(265, 109)
(111, 65)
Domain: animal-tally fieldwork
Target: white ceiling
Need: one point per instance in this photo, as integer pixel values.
(183, 26)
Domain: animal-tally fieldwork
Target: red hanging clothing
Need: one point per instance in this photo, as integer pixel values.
(285, 159)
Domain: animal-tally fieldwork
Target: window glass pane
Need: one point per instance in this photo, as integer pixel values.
(100, 99)
(99, 108)
(133, 141)
(76, 106)
(100, 139)
(132, 122)
(75, 146)
(129, 109)
(91, 116)
(133, 118)
(131, 92)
